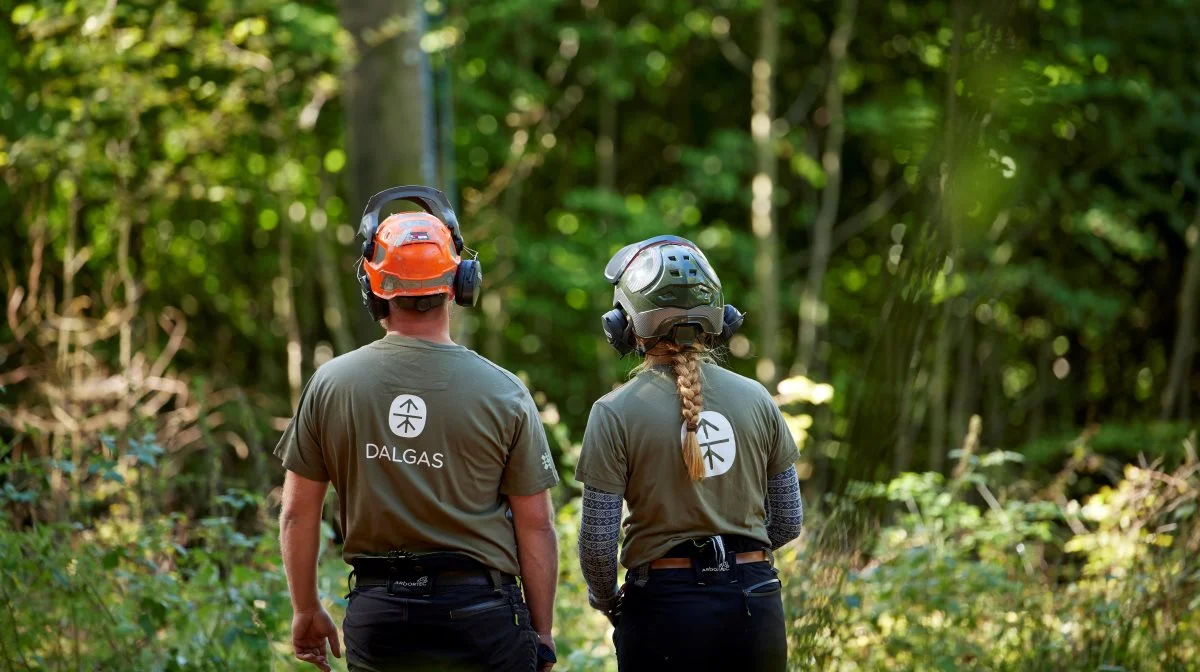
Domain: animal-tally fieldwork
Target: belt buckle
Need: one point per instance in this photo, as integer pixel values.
(715, 568)
(413, 586)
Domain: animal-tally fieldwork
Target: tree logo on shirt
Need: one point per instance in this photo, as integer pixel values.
(718, 447)
(407, 416)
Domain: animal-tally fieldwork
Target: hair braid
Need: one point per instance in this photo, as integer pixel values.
(691, 403)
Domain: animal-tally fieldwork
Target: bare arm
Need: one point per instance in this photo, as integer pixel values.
(537, 553)
(300, 542)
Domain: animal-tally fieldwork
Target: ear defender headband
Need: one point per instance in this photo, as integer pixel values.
(618, 328)
(468, 278)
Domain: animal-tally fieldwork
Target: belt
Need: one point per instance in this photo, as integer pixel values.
(443, 578)
(686, 563)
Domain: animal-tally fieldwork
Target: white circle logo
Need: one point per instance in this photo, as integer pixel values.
(718, 447)
(407, 416)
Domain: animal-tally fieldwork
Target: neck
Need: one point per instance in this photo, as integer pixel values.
(659, 355)
(659, 359)
(433, 325)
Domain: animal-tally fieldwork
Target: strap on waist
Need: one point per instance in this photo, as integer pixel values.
(436, 579)
(687, 563)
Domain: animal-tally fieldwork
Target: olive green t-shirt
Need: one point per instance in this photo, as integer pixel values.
(633, 446)
(422, 442)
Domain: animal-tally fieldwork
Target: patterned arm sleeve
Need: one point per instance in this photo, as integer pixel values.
(598, 545)
(785, 511)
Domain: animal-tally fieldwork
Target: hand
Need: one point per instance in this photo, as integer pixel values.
(310, 632)
(611, 608)
(547, 639)
(609, 604)
(613, 612)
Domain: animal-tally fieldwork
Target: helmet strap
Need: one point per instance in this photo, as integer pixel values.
(646, 345)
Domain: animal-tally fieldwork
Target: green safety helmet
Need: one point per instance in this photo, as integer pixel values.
(664, 288)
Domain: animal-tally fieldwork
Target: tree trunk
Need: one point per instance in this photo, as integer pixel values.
(964, 391)
(1041, 390)
(606, 180)
(1176, 395)
(812, 310)
(994, 401)
(449, 159)
(493, 302)
(937, 390)
(63, 440)
(941, 355)
(386, 92)
(285, 311)
(912, 408)
(762, 210)
(331, 275)
(820, 433)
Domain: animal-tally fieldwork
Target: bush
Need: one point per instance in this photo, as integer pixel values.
(968, 575)
(968, 579)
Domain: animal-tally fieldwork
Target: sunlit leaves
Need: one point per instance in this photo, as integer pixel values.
(1116, 229)
(335, 160)
(802, 389)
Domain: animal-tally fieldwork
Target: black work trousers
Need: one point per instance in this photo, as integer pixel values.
(673, 623)
(456, 629)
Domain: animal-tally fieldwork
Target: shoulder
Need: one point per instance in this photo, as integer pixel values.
(495, 376)
(629, 392)
(610, 408)
(735, 383)
(344, 368)
(749, 395)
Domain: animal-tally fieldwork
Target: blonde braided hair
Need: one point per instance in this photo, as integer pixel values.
(686, 363)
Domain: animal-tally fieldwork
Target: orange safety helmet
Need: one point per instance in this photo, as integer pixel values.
(414, 256)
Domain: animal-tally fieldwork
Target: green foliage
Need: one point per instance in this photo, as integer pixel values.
(167, 593)
(207, 141)
(962, 579)
(1003, 581)
(1019, 193)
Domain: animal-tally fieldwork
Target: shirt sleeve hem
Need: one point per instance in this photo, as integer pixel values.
(601, 484)
(307, 472)
(538, 486)
(777, 469)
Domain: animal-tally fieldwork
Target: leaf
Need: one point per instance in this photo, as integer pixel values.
(22, 14)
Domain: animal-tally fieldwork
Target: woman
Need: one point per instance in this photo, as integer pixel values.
(704, 460)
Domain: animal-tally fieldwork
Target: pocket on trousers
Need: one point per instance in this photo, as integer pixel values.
(497, 632)
(769, 588)
(480, 608)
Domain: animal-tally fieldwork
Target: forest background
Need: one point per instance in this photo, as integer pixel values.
(966, 235)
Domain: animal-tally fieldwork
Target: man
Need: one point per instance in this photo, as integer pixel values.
(441, 467)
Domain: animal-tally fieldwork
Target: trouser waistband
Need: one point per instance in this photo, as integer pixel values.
(491, 578)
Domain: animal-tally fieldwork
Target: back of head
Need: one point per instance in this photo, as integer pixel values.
(414, 261)
(669, 291)
(668, 301)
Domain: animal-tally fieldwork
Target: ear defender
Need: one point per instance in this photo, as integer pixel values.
(467, 281)
(618, 330)
(731, 319)
(468, 278)
(378, 307)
